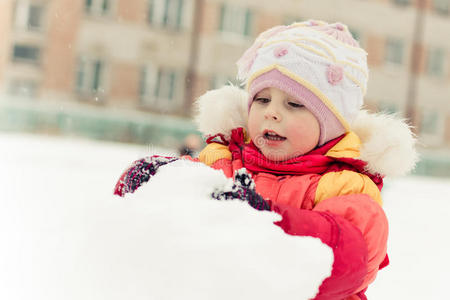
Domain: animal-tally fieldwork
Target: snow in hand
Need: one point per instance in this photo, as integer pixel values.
(68, 237)
(211, 249)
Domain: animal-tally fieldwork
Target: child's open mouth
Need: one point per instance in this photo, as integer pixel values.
(273, 136)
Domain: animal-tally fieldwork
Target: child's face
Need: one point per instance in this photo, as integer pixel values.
(280, 126)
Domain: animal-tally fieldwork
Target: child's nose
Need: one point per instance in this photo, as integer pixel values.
(272, 113)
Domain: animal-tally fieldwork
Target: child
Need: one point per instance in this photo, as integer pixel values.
(294, 132)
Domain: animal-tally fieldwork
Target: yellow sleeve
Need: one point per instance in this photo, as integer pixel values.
(213, 152)
(346, 182)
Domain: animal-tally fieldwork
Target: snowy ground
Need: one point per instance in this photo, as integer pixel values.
(65, 182)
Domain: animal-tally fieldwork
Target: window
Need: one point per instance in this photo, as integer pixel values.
(26, 53)
(432, 127)
(97, 7)
(288, 20)
(218, 81)
(435, 62)
(387, 107)
(28, 16)
(429, 122)
(90, 78)
(401, 2)
(356, 35)
(23, 87)
(235, 19)
(166, 13)
(35, 17)
(158, 88)
(441, 6)
(394, 51)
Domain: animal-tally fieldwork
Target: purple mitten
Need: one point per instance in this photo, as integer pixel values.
(243, 188)
(140, 172)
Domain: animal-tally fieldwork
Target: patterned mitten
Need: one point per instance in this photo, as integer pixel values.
(243, 188)
(139, 173)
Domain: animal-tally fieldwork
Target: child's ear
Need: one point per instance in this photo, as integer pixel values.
(222, 110)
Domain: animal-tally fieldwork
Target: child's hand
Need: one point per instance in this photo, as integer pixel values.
(140, 172)
(243, 188)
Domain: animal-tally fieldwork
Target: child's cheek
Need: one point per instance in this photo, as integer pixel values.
(252, 124)
(296, 130)
(303, 137)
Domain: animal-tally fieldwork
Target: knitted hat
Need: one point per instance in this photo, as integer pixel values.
(317, 63)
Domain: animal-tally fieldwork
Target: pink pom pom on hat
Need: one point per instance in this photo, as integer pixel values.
(317, 63)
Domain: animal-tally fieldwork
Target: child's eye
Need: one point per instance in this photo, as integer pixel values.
(262, 100)
(295, 104)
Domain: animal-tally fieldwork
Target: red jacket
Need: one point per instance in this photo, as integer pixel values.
(327, 196)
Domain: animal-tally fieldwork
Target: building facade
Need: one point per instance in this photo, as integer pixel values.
(159, 55)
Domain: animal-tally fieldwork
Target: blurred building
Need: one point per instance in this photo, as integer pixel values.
(158, 55)
(114, 53)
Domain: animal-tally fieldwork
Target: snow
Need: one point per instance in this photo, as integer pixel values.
(64, 236)
(229, 250)
(418, 209)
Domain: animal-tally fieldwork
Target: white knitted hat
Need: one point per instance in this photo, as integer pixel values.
(319, 64)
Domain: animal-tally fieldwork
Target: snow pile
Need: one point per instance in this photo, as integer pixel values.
(224, 249)
(65, 236)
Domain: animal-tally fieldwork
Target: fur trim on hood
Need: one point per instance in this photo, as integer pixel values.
(220, 111)
(388, 145)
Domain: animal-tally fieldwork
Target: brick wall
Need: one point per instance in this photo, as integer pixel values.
(125, 82)
(211, 18)
(5, 29)
(419, 68)
(264, 21)
(132, 11)
(375, 50)
(60, 51)
(201, 86)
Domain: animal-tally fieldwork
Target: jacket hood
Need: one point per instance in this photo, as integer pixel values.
(387, 142)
